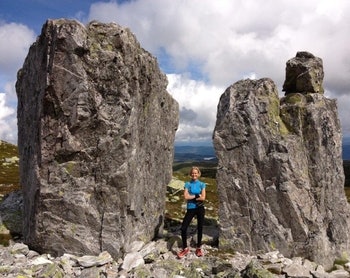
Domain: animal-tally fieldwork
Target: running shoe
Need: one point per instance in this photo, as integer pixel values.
(183, 253)
(199, 252)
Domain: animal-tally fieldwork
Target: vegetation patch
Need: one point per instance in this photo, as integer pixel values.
(9, 168)
(295, 98)
(5, 236)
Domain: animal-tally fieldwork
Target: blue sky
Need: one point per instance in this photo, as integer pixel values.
(34, 13)
(203, 46)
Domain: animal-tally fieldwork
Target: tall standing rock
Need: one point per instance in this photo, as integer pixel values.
(96, 133)
(280, 176)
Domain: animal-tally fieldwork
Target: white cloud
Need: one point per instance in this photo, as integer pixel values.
(15, 40)
(4, 111)
(8, 121)
(10, 91)
(198, 103)
(230, 40)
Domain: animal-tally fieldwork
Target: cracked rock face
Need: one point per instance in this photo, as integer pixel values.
(96, 133)
(280, 176)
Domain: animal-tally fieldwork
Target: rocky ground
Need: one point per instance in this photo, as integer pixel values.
(158, 259)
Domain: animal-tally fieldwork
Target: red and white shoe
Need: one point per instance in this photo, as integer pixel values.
(199, 252)
(183, 253)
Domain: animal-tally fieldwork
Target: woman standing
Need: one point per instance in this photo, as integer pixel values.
(194, 194)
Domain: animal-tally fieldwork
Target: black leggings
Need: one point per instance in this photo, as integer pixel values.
(190, 213)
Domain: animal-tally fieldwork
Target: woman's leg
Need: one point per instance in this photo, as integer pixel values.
(200, 223)
(190, 213)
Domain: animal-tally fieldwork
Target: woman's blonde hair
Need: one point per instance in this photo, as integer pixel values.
(197, 169)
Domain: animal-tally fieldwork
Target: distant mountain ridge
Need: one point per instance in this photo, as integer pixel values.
(346, 148)
(346, 152)
(201, 153)
(194, 153)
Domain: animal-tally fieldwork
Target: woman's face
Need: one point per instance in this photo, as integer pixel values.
(194, 175)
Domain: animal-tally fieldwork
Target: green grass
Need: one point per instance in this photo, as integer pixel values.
(9, 170)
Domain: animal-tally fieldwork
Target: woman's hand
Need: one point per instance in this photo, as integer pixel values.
(201, 196)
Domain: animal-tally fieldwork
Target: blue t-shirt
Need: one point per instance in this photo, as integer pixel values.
(194, 187)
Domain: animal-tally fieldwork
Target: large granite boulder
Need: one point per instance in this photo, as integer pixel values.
(280, 176)
(96, 129)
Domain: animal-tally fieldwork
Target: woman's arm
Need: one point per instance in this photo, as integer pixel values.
(202, 195)
(187, 195)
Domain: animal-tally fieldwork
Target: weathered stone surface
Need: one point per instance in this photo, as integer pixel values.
(214, 264)
(255, 269)
(132, 260)
(304, 74)
(96, 132)
(89, 261)
(280, 177)
(297, 269)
